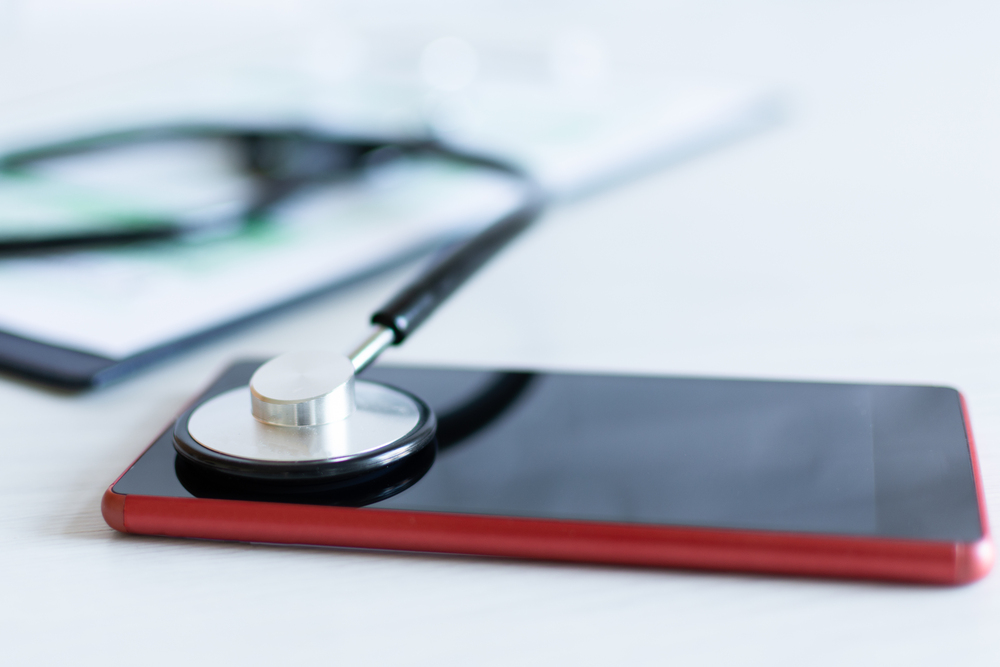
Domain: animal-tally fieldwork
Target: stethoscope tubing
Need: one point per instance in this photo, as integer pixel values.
(305, 157)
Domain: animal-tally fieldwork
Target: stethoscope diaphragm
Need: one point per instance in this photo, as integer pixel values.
(386, 425)
(305, 417)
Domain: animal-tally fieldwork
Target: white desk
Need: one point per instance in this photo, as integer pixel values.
(858, 242)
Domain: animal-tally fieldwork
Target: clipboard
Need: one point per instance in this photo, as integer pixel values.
(67, 368)
(85, 319)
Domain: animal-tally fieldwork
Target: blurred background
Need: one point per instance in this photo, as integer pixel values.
(831, 232)
(57, 44)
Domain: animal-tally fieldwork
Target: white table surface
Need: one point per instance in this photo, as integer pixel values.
(860, 241)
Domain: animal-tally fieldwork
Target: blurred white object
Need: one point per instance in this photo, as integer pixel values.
(449, 64)
(572, 135)
(573, 144)
(571, 139)
(578, 58)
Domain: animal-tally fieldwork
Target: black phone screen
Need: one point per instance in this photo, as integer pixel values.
(850, 459)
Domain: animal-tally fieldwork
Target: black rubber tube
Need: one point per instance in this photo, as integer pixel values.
(409, 308)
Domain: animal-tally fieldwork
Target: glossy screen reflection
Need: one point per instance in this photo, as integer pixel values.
(764, 455)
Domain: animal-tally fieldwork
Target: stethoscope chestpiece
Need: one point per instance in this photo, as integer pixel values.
(351, 491)
(304, 418)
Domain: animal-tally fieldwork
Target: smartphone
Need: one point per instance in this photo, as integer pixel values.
(800, 478)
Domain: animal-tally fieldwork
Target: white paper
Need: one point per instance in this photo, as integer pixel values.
(118, 303)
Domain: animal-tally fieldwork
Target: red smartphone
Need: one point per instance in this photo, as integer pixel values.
(800, 478)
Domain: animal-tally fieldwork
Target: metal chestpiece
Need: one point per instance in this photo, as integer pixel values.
(306, 388)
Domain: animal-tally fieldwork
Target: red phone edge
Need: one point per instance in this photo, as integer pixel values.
(799, 554)
(974, 560)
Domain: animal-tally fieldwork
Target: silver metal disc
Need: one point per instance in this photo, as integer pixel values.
(225, 425)
(303, 388)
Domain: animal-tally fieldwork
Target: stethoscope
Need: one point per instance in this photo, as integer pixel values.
(279, 162)
(306, 418)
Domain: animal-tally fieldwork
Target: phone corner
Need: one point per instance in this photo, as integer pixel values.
(113, 509)
(973, 560)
